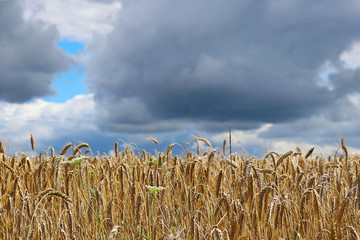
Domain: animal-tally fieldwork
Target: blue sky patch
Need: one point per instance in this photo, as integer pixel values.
(71, 83)
(68, 85)
(71, 47)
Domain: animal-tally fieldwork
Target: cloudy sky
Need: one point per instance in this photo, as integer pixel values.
(280, 73)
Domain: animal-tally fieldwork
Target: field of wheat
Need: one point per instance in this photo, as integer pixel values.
(198, 195)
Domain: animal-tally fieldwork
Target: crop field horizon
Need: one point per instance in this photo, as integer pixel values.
(212, 194)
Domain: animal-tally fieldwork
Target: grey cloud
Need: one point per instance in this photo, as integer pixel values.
(211, 63)
(327, 126)
(153, 127)
(104, 1)
(129, 115)
(127, 111)
(214, 126)
(346, 81)
(29, 57)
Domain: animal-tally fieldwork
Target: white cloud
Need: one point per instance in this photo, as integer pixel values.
(283, 146)
(252, 139)
(75, 19)
(241, 138)
(355, 99)
(351, 57)
(47, 121)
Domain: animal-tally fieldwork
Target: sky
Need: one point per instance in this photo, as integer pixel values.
(281, 73)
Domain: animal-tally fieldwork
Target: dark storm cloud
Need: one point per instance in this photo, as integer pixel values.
(29, 57)
(211, 63)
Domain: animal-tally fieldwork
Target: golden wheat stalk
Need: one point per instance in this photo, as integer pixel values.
(281, 159)
(32, 142)
(82, 145)
(309, 152)
(204, 140)
(153, 140)
(66, 148)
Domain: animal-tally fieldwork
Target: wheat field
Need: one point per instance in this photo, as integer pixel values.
(197, 195)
